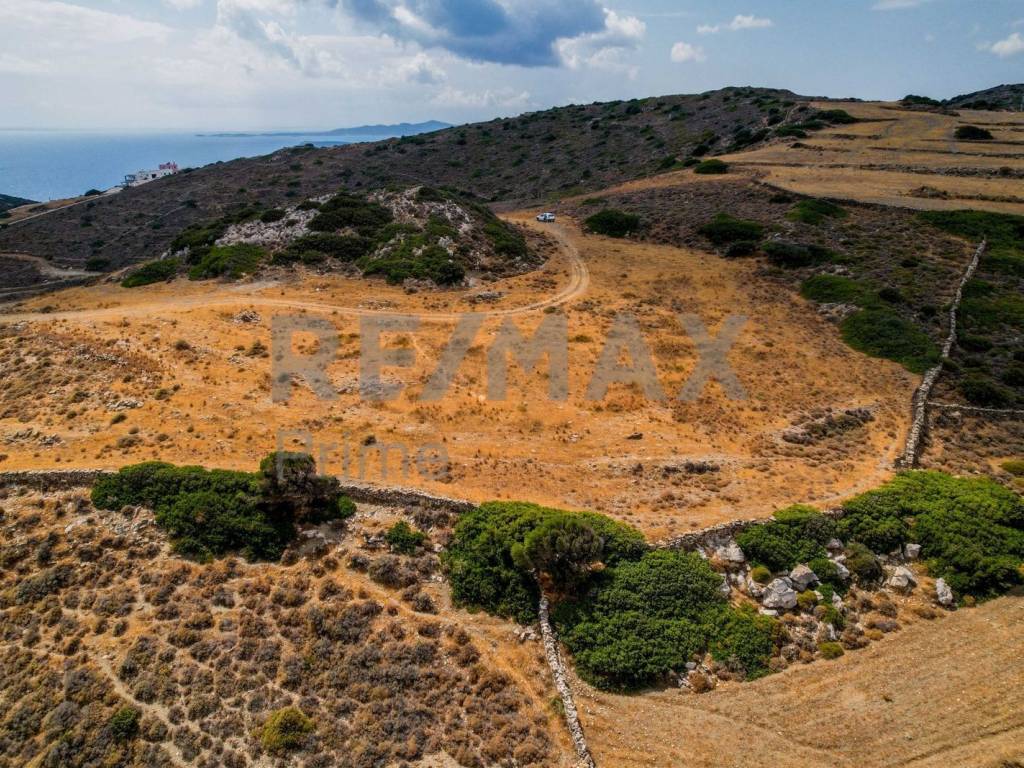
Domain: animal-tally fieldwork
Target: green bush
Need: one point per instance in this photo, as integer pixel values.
(404, 539)
(862, 564)
(836, 289)
(712, 166)
(797, 534)
(1015, 467)
(795, 255)
(346, 507)
(124, 724)
(342, 247)
(724, 229)
(815, 211)
(973, 133)
(612, 223)
(413, 258)
(882, 332)
(971, 531)
(831, 650)
(286, 729)
(480, 564)
(742, 640)
(761, 574)
(741, 248)
(228, 260)
(980, 390)
(151, 272)
(562, 549)
(1000, 229)
(208, 513)
(836, 116)
(506, 240)
(344, 211)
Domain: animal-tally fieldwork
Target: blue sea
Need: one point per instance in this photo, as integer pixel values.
(55, 164)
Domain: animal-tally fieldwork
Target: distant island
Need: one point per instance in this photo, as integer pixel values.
(376, 131)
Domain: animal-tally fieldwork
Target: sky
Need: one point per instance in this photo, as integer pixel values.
(183, 65)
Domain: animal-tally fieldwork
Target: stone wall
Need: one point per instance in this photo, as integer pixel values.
(920, 402)
(719, 535)
(554, 657)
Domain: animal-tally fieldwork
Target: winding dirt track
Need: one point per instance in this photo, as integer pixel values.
(579, 282)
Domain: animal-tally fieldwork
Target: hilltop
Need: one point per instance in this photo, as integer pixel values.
(7, 202)
(509, 163)
(377, 130)
(1001, 97)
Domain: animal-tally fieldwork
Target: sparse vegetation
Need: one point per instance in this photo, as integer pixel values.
(711, 166)
(723, 229)
(794, 255)
(404, 539)
(814, 211)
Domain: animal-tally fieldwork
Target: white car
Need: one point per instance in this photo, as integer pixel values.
(546, 217)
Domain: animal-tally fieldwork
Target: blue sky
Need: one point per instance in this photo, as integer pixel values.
(152, 65)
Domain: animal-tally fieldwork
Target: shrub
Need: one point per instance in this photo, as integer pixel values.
(414, 259)
(506, 240)
(815, 211)
(836, 116)
(723, 229)
(479, 559)
(835, 289)
(151, 272)
(346, 248)
(1000, 229)
(124, 723)
(346, 507)
(204, 524)
(612, 223)
(404, 539)
(272, 215)
(742, 640)
(712, 166)
(797, 534)
(563, 549)
(286, 729)
(97, 264)
(760, 574)
(1015, 467)
(973, 133)
(741, 248)
(345, 211)
(980, 390)
(795, 255)
(971, 531)
(831, 650)
(881, 332)
(230, 260)
(806, 600)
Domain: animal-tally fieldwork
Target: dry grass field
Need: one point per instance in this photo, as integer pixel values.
(201, 379)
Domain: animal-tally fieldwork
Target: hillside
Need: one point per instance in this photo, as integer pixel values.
(9, 201)
(1001, 97)
(509, 162)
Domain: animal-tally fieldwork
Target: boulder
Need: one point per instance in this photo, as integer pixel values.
(752, 588)
(943, 593)
(802, 578)
(902, 579)
(912, 551)
(834, 545)
(724, 588)
(778, 595)
(731, 553)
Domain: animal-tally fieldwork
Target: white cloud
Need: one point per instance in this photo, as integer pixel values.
(1011, 46)
(76, 25)
(19, 65)
(183, 5)
(684, 52)
(605, 49)
(419, 69)
(739, 21)
(508, 98)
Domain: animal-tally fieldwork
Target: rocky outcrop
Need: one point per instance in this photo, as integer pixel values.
(554, 657)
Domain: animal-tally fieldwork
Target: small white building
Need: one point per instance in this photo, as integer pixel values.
(142, 177)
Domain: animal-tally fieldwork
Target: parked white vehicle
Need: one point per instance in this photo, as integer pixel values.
(546, 217)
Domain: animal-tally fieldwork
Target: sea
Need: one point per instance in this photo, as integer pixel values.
(48, 165)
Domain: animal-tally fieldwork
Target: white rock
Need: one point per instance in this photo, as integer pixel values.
(912, 551)
(841, 570)
(767, 611)
(902, 579)
(802, 577)
(834, 545)
(731, 553)
(779, 595)
(837, 602)
(724, 588)
(943, 593)
(754, 589)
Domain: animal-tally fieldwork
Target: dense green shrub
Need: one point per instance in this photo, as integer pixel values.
(613, 223)
(973, 133)
(862, 564)
(712, 166)
(836, 116)
(741, 248)
(971, 531)
(344, 211)
(796, 534)
(980, 390)
(836, 289)
(561, 549)
(208, 513)
(761, 574)
(151, 272)
(1015, 467)
(124, 723)
(831, 650)
(341, 247)
(480, 563)
(723, 229)
(814, 211)
(794, 255)
(414, 258)
(1000, 229)
(271, 215)
(506, 240)
(741, 640)
(882, 332)
(228, 260)
(286, 729)
(404, 539)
